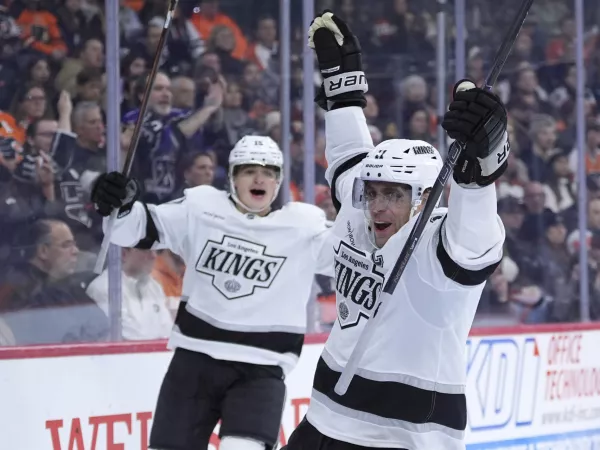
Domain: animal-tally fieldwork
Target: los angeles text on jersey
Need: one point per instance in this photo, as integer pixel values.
(238, 266)
(358, 281)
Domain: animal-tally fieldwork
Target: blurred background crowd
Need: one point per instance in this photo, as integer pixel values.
(220, 79)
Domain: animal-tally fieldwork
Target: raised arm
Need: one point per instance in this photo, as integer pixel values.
(348, 142)
(472, 234)
(342, 96)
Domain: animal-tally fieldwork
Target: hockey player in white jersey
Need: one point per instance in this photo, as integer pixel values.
(409, 389)
(240, 327)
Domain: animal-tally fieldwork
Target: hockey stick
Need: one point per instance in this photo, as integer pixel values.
(136, 132)
(454, 152)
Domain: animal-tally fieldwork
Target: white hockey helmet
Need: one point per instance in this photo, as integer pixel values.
(255, 150)
(403, 161)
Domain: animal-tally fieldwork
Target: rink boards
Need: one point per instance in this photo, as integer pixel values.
(528, 389)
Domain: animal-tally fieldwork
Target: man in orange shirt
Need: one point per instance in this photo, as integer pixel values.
(209, 17)
(39, 30)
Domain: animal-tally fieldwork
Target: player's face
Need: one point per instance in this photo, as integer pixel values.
(388, 207)
(161, 96)
(255, 186)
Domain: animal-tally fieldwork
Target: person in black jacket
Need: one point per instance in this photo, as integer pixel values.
(42, 299)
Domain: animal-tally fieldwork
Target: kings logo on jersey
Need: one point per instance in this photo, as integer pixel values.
(358, 283)
(238, 267)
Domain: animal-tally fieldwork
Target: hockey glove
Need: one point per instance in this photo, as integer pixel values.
(340, 63)
(477, 118)
(114, 190)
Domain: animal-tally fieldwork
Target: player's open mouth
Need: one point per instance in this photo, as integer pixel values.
(380, 226)
(258, 193)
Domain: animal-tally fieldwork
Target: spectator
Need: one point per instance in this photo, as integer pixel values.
(40, 31)
(494, 307)
(9, 149)
(75, 26)
(475, 65)
(401, 31)
(236, 121)
(222, 42)
(526, 89)
(563, 99)
(592, 154)
(168, 135)
(254, 100)
(556, 275)
(91, 56)
(414, 94)
(184, 44)
(184, 92)
(147, 44)
(88, 125)
(198, 169)
(261, 51)
(29, 104)
(42, 301)
(514, 179)
(418, 126)
(89, 87)
(38, 72)
(542, 132)
(210, 17)
(133, 65)
(130, 25)
(593, 225)
(9, 51)
(144, 313)
(559, 190)
(562, 48)
(570, 311)
(168, 271)
(26, 196)
(535, 205)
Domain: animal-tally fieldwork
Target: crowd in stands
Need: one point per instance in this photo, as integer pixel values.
(219, 80)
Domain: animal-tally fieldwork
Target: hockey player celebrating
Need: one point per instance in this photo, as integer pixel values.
(240, 326)
(409, 389)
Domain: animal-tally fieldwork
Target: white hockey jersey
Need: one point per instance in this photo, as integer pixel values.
(409, 391)
(248, 278)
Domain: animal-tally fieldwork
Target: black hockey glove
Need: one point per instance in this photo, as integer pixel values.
(477, 118)
(340, 63)
(114, 190)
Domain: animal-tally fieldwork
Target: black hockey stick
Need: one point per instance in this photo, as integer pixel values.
(436, 191)
(136, 131)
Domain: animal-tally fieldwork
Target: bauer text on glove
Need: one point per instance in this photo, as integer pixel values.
(339, 55)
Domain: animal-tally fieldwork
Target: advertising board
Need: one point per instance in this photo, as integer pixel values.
(526, 390)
